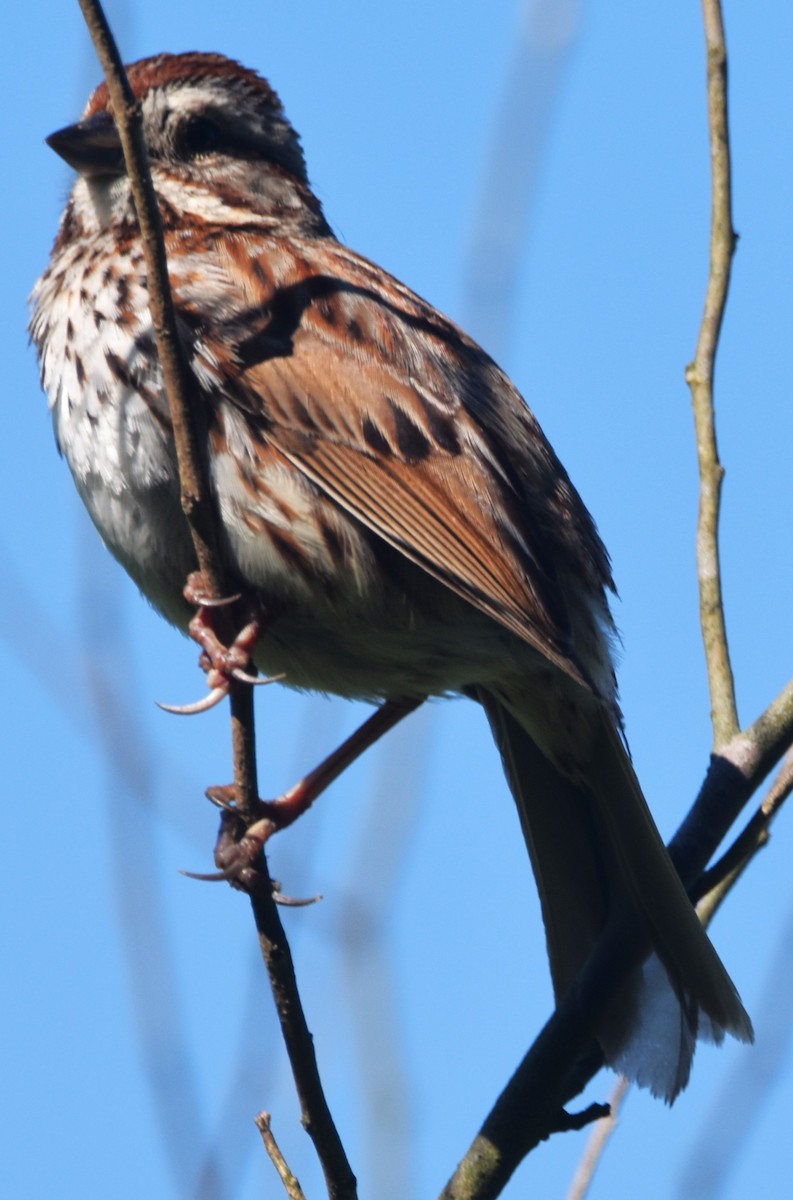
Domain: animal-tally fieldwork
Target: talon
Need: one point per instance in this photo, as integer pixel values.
(195, 593)
(198, 706)
(210, 876)
(244, 677)
(222, 795)
(202, 601)
(292, 902)
(234, 870)
(223, 665)
(256, 680)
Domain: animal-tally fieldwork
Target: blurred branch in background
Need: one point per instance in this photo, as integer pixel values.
(257, 1057)
(597, 1141)
(131, 770)
(48, 652)
(748, 1088)
(84, 681)
(373, 872)
(545, 35)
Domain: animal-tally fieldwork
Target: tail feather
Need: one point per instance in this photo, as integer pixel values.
(597, 858)
(654, 887)
(650, 1033)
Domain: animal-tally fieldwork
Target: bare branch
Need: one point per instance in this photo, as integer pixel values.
(699, 376)
(196, 501)
(315, 1114)
(597, 1142)
(564, 1057)
(716, 883)
(291, 1185)
(199, 511)
(734, 775)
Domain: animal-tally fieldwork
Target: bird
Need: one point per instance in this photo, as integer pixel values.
(383, 491)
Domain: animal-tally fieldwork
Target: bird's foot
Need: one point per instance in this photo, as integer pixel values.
(223, 664)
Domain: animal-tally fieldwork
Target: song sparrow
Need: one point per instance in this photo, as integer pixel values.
(383, 489)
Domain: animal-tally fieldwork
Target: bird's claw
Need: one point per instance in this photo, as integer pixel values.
(234, 871)
(195, 592)
(256, 680)
(224, 665)
(294, 901)
(198, 706)
(218, 693)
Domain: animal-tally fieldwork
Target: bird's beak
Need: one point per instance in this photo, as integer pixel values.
(92, 147)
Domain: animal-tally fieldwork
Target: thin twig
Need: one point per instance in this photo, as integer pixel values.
(291, 1185)
(734, 775)
(717, 882)
(199, 511)
(196, 495)
(315, 1114)
(196, 499)
(597, 1142)
(699, 376)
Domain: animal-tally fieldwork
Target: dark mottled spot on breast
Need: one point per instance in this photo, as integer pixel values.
(119, 369)
(290, 550)
(354, 330)
(144, 345)
(334, 544)
(375, 438)
(411, 440)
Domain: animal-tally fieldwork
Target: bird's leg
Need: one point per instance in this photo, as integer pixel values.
(273, 815)
(222, 664)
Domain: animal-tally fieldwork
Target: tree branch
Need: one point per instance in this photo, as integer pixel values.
(564, 1057)
(291, 1185)
(597, 1142)
(734, 775)
(716, 883)
(196, 500)
(198, 507)
(699, 376)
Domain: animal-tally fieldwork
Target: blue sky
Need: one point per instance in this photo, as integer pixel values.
(423, 970)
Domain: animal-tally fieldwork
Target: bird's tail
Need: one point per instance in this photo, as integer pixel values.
(598, 858)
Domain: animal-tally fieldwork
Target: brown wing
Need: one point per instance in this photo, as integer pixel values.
(410, 427)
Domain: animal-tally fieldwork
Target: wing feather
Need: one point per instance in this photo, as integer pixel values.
(407, 425)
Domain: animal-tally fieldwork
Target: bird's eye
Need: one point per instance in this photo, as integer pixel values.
(200, 135)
